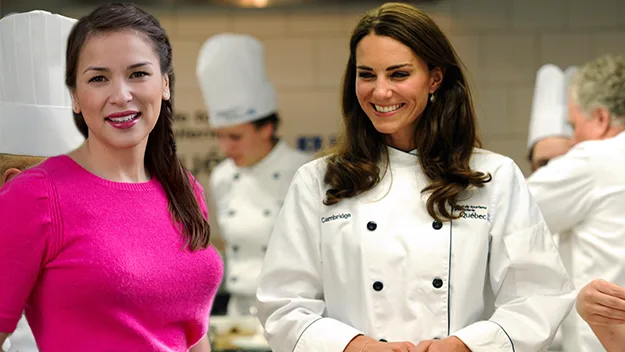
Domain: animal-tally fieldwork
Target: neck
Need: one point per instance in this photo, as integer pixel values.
(402, 140)
(117, 165)
(614, 131)
(263, 151)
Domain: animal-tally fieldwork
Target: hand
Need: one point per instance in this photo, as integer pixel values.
(376, 346)
(367, 344)
(601, 303)
(449, 344)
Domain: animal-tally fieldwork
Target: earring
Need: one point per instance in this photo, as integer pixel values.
(432, 98)
(166, 95)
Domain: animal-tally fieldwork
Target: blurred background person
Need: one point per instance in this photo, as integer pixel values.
(582, 193)
(249, 186)
(35, 108)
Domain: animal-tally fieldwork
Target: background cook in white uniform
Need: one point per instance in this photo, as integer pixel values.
(582, 193)
(550, 135)
(35, 105)
(249, 186)
(377, 263)
(549, 131)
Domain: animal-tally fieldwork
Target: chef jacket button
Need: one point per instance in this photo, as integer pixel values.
(437, 283)
(276, 175)
(236, 176)
(267, 212)
(371, 226)
(378, 286)
(383, 340)
(231, 213)
(235, 248)
(233, 279)
(265, 249)
(437, 225)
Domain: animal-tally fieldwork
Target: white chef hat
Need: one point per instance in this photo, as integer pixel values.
(549, 116)
(35, 105)
(234, 85)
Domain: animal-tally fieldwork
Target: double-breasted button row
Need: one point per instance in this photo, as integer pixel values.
(372, 226)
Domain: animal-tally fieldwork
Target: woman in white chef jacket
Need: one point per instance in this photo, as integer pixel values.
(392, 241)
(35, 121)
(249, 186)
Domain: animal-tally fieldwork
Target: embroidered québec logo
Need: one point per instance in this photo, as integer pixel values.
(475, 212)
(333, 217)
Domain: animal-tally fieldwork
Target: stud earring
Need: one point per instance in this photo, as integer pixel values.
(432, 98)
(166, 95)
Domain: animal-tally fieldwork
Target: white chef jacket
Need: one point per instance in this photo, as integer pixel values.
(582, 196)
(378, 264)
(248, 200)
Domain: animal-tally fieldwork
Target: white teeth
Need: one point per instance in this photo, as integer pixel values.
(390, 108)
(123, 118)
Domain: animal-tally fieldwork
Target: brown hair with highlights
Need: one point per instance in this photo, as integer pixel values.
(446, 133)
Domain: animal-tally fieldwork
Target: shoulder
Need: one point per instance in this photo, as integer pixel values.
(297, 157)
(222, 172)
(490, 162)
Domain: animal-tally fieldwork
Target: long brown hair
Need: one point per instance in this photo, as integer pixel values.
(161, 159)
(445, 135)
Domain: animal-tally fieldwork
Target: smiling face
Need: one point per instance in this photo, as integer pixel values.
(119, 88)
(393, 86)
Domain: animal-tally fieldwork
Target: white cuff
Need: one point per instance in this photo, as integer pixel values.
(485, 336)
(326, 335)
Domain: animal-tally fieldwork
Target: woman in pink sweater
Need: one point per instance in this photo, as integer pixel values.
(107, 248)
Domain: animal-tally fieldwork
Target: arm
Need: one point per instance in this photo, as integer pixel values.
(533, 293)
(27, 241)
(602, 305)
(290, 291)
(562, 189)
(3, 338)
(201, 346)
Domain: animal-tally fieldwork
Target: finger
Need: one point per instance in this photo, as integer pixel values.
(611, 289)
(602, 320)
(423, 346)
(605, 300)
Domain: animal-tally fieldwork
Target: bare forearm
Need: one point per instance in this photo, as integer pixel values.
(3, 337)
(612, 336)
(202, 346)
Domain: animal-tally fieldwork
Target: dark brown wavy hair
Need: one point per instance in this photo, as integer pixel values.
(446, 132)
(161, 159)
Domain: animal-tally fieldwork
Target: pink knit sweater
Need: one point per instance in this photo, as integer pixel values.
(99, 265)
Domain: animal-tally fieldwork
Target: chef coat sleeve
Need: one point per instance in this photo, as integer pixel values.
(28, 240)
(563, 189)
(533, 293)
(290, 291)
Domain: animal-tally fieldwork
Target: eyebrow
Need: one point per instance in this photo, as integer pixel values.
(390, 68)
(105, 69)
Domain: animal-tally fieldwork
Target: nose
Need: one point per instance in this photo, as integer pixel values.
(382, 89)
(121, 93)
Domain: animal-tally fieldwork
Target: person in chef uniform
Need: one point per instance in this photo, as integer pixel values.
(550, 135)
(249, 186)
(582, 193)
(549, 130)
(35, 119)
(391, 242)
